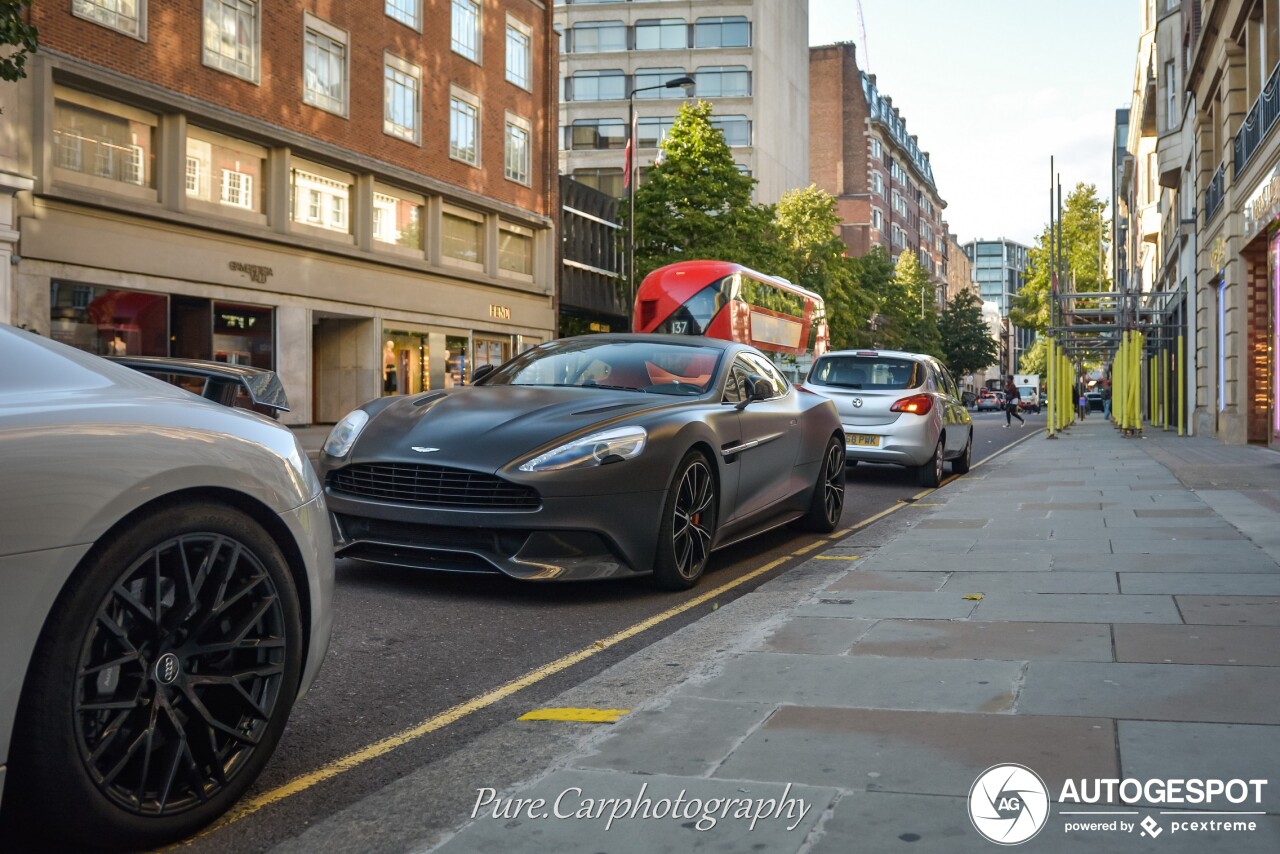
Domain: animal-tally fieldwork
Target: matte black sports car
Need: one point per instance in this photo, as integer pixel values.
(591, 457)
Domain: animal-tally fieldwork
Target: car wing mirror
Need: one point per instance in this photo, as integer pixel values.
(481, 372)
(758, 388)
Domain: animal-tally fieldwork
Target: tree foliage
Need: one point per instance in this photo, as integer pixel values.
(915, 306)
(1084, 243)
(15, 32)
(1035, 360)
(967, 345)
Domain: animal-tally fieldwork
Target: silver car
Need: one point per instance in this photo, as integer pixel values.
(896, 407)
(167, 574)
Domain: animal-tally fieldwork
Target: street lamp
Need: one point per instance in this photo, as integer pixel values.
(674, 83)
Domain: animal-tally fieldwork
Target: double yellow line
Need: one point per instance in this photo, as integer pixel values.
(495, 695)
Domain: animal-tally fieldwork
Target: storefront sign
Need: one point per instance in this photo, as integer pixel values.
(256, 272)
(500, 312)
(1218, 255)
(1263, 205)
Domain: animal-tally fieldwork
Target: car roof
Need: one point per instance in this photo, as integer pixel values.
(658, 338)
(897, 354)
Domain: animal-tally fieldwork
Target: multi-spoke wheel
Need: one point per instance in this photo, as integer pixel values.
(930, 474)
(827, 504)
(688, 525)
(161, 684)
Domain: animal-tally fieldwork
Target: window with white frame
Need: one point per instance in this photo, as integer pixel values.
(407, 12)
(402, 85)
(517, 155)
(662, 34)
(320, 200)
(462, 236)
(224, 171)
(464, 127)
(519, 52)
(232, 36)
(127, 16)
(877, 219)
(324, 65)
(877, 152)
(515, 249)
(465, 29)
(877, 184)
(1171, 95)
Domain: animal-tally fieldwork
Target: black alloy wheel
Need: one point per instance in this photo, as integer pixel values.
(160, 690)
(827, 505)
(688, 525)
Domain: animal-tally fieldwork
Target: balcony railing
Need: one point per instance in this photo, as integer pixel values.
(1261, 119)
(1213, 193)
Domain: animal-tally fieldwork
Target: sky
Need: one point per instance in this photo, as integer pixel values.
(992, 88)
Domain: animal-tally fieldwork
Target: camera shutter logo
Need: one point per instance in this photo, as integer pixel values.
(1008, 804)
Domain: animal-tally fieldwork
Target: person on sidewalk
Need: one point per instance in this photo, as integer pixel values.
(1011, 398)
(1082, 406)
(1106, 401)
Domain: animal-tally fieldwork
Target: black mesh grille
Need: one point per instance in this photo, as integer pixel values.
(431, 486)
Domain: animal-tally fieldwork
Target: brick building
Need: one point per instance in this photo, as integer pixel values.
(860, 152)
(359, 194)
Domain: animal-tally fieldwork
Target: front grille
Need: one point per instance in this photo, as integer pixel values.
(432, 486)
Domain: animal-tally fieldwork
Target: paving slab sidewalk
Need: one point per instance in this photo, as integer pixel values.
(1098, 608)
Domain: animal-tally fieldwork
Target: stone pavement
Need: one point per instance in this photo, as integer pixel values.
(1091, 607)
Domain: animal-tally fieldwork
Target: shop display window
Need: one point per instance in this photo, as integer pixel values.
(109, 321)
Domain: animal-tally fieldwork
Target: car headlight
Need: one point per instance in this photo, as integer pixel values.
(345, 432)
(608, 446)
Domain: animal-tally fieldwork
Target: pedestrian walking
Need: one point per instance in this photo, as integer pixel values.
(1011, 398)
(1082, 406)
(1106, 401)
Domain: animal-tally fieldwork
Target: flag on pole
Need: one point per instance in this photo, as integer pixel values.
(626, 168)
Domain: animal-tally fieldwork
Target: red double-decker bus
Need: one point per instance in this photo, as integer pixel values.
(723, 300)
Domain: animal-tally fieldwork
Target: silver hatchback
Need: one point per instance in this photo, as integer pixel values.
(896, 407)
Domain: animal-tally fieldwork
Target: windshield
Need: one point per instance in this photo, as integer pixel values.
(867, 372)
(645, 366)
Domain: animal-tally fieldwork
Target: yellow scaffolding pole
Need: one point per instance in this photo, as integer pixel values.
(1164, 388)
(1182, 388)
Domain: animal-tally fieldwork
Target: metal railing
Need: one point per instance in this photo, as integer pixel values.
(1214, 193)
(1258, 123)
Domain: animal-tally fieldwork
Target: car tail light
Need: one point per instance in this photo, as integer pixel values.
(917, 404)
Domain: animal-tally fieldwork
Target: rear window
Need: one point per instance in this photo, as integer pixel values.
(867, 372)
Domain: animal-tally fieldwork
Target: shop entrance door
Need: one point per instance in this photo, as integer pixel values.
(344, 371)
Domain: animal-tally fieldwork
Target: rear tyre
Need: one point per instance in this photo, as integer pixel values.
(161, 682)
(827, 504)
(930, 474)
(962, 463)
(688, 525)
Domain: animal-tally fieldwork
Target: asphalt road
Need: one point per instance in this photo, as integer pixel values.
(409, 645)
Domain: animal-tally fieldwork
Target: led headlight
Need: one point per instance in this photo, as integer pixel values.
(345, 433)
(620, 443)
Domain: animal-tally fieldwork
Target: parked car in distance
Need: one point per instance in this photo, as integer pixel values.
(241, 386)
(1095, 400)
(599, 456)
(897, 407)
(168, 572)
(990, 401)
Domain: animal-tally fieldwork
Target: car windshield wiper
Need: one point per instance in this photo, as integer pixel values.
(615, 387)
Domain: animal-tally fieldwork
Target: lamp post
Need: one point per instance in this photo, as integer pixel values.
(674, 83)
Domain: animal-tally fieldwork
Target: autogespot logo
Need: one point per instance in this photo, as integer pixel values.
(1008, 804)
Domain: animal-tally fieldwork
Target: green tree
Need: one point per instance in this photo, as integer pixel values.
(854, 319)
(1084, 244)
(967, 345)
(16, 32)
(1035, 360)
(697, 205)
(914, 306)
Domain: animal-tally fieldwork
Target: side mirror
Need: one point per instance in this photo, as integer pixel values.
(481, 372)
(758, 388)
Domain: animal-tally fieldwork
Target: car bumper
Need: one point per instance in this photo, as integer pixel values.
(564, 539)
(309, 525)
(909, 441)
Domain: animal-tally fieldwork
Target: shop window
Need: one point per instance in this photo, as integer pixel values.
(106, 141)
(457, 368)
(406, 363)
(492, 350)
(243, 335)
(109, 321)
(397, 218)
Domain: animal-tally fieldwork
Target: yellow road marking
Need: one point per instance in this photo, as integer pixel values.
(810, 547)
(591, 716)
(489, 698)
(475, 704)
(836, 557)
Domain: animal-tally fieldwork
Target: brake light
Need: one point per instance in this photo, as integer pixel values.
(917, 404)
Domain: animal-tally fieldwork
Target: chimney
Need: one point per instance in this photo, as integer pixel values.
(872, 78)
(888, 102)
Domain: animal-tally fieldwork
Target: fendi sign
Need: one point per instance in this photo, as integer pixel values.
(500, 312)
(256, 272)
(1263, 205)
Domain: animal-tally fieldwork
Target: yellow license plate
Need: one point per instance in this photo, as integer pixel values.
(862, 439)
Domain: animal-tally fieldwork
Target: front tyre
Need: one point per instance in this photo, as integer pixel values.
(827, 504)
(688, 525)
(161, 682)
